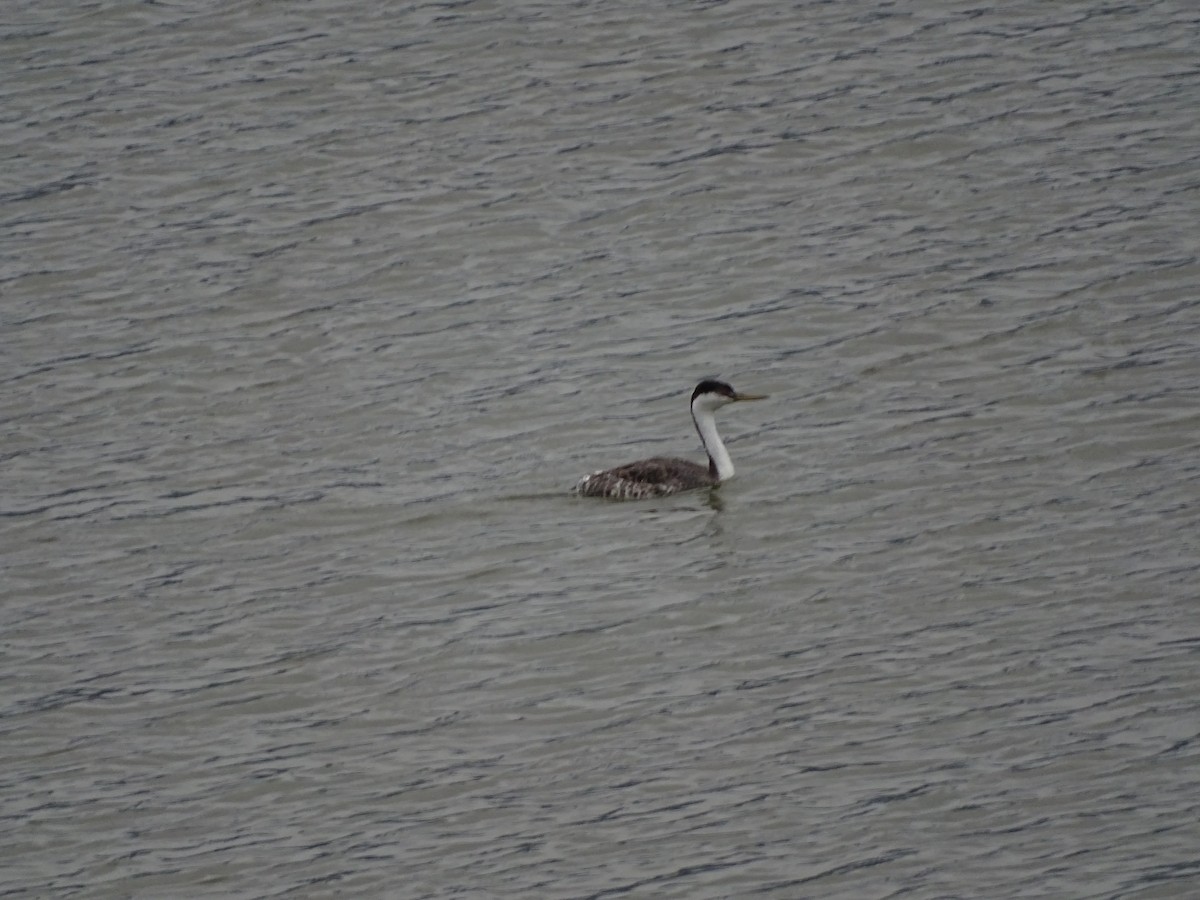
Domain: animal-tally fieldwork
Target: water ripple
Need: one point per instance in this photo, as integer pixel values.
(312, 317)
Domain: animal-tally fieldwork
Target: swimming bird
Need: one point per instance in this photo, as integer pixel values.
(662, 475)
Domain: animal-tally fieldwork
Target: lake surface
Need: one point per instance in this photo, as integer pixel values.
(311, 315)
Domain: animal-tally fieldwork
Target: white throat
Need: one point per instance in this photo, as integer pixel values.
(707, 426)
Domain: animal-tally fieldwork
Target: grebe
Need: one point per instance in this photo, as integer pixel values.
(663, 475)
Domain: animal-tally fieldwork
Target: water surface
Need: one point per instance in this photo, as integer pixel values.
(311, 317)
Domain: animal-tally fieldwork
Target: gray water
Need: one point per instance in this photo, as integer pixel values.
(313, 313)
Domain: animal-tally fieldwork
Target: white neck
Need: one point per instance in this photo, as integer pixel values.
(707, 426)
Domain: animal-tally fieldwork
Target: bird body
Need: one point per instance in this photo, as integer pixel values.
(655, 477)
(661, 475)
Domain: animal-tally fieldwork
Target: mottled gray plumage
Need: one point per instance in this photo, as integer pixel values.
(655, 477)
